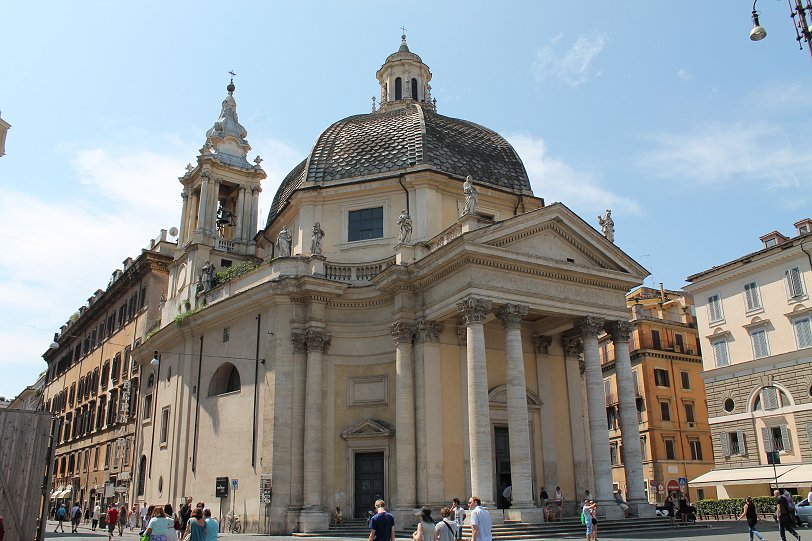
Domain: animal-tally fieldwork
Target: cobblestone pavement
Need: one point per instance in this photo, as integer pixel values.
(717, 531)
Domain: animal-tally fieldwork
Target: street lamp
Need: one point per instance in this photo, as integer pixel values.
(803, 32)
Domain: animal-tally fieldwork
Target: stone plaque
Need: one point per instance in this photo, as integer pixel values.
(368, 390)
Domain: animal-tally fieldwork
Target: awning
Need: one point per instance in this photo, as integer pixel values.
(743, 476)
(800, 476)
(55, 494)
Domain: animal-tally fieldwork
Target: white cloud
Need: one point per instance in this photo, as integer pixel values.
(555, 180)
(718, 154)
(572, 66)
(684, 75)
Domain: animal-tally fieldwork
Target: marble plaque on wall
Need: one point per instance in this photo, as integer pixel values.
(368, 390)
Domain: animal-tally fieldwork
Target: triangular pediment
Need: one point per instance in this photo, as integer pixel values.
(368, 428)
(557, 234)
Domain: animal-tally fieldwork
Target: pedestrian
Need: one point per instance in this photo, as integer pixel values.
(212, 526)
(122, 519)
(61, 513)
(751, 514)
(381, 524)
(173, 521)
(94, 520)
(142, 513)
(196, 528)
(339, 517)
(158, 526)
(459, 515)
(446, 529)
(481, 522)
(559, 498)
(784, 516)
(587, 518)
(425, 528)
(185, 513)
(86, 514)
(544, 497)
(134, 516)
(75, 517)
(112, 520)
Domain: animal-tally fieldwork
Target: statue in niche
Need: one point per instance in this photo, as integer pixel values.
(405, 223)
(607, 225)
(315, 239)
(471, 195)
(207, 276)
(283, 242)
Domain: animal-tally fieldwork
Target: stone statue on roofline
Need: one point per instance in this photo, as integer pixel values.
(315, 239)
(405, 223)
(283, 242)
(207, 276)
(607, 225)
(471, 195)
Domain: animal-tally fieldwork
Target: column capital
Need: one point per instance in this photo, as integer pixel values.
(511, 315)
(573, 345)
(542, 343)
(402, 332)
(589, 326)
(428, 331)
(184, 193)
(474, 309)
(299, 342)
(462, 335)
(317, 340)
(619, 330)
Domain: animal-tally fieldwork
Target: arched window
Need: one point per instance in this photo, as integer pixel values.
(225, 380)
(398, 88)
(414, 89)
(142, 474)
(770, 398)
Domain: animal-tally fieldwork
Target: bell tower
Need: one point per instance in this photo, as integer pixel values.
(220, 208)
(404, 79)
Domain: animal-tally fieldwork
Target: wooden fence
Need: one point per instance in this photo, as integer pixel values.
(25, 456)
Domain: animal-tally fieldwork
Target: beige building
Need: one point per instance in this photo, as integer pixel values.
(754, 324)
(409, 323)
(30, 398)
(91, 384)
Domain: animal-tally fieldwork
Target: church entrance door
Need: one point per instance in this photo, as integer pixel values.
(501, 442)
(369, 481)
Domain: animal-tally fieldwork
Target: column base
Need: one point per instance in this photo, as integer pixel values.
(406, 518)
(644, 509)
(610, 510)
(532, 515)
(311, 520)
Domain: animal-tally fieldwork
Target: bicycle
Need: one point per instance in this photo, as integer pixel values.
(233, 524)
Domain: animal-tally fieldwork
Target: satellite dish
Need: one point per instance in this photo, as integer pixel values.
(173, 232)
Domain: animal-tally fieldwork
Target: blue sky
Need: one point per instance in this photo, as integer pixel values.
(665, 112)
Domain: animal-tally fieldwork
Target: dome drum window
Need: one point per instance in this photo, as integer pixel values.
(225, 380)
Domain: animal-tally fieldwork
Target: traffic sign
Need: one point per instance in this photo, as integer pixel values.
(233, 484)
(673, 485)
(683, 481)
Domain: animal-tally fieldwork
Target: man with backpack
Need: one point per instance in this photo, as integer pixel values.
(75, 517)
(60, 517)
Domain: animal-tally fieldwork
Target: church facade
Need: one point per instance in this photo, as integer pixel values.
(412, 323)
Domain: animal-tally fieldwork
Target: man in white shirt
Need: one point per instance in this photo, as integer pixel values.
(481, 523)
(809, 497)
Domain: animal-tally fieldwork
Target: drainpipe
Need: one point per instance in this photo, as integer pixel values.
(400, 180)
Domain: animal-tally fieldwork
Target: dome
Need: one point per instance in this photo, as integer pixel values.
(384, 143)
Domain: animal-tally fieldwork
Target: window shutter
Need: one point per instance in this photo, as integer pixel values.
(635, 383)
(725, 441)
(714, 308)
(794, 281)
(766, 436)
(751, 296)
(720, 352)
(759, 339)
(742, 445)
(785, 436)
(809, 432)
(769, 398)
(803, 332)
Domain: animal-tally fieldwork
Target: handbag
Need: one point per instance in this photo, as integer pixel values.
(145, 537)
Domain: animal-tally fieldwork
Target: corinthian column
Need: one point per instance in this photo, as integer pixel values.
(589, 327)
(511, 316)
(203, 201)
(240, 212)
(630, 431)
(316, 343)
(474, 311)
(429, 396)
(299, 385)
(404, 415)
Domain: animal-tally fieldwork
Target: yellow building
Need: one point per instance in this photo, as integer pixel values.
(671, 406)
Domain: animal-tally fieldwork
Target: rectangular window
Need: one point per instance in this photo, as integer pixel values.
(686, 380)
(643, 450)
(607, 391)
(611, 418)
(107, 455)
(759, 340)
(365, 224)
(689, 413)
(670, 450)
(700, 494)
(696, 449)
(226, 334)
(147, 413)
(720, 352)
(164, 425)
(96, 458)
(752, 299)
(776, 438)
(803, 332)
(665, 411)
(795, 283)
(656, 343)
(715, 309)
(661, 377)
(614, 459)
(679, 343)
